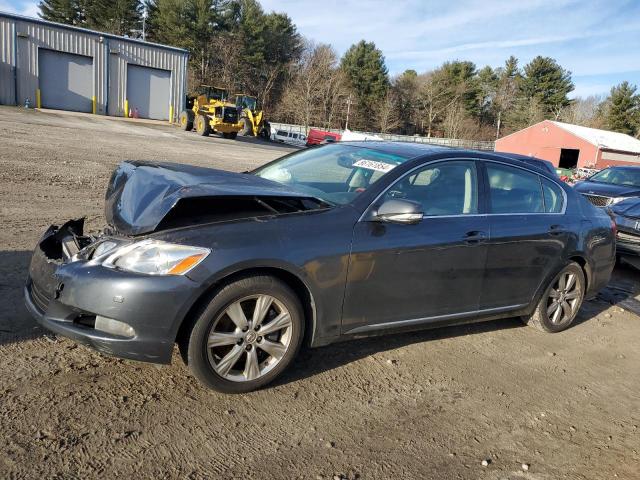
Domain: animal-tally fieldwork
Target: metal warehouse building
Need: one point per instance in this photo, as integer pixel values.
(69, 68)
(570, 146)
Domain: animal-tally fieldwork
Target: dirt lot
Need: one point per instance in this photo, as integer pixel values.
(424, 405)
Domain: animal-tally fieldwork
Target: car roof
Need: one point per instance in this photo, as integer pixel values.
(623, 167)
(423, 150)
(403, 149)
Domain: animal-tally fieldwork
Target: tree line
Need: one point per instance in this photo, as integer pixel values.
(237, 45)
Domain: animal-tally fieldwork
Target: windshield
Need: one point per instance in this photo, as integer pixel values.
(334, 173)
(246, 102)
(212, 93)
(618, 176)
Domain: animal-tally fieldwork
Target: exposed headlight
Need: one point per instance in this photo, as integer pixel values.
(104, 247)
(615, 200)
(154, 257)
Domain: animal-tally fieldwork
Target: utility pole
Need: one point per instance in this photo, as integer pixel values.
(346, 125)
(144, 23)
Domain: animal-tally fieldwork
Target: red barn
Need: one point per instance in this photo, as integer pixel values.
(570, 146)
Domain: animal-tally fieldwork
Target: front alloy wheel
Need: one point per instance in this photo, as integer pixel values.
(249, 338)
(560, 302)
(246, 335)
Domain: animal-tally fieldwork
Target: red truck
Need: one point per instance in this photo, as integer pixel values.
(319, 137)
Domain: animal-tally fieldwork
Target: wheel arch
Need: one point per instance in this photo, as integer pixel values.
(577, 258)
(292, 280)
(586, 269)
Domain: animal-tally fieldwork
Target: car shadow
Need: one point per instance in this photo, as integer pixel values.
(313, 361)
(16, 324)
(621, 291)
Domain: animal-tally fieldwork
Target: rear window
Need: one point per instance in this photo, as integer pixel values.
(553, 197)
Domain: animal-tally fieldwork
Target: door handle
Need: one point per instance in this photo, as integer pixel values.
(556, 229)
(474, 237)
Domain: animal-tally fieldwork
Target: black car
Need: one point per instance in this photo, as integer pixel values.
(626, 214)
(341, 241)
(611, 185)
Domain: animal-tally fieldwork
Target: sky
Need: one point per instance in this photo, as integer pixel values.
(597, 40)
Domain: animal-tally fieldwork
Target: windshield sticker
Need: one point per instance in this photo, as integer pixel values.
(377, 166)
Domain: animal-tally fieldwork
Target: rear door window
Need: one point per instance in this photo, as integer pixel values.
(513, 190)
(553, 197)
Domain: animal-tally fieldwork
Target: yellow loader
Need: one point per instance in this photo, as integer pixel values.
(210, 112)
(252, 120)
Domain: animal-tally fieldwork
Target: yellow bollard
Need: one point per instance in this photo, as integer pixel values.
(170, 113)
(38, 102)
(93, 104)
(126, 109)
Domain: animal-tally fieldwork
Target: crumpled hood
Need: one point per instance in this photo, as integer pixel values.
(141, 194)
(606, 189)
(628, 208)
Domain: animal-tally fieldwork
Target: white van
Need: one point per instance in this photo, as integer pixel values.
(292, 138)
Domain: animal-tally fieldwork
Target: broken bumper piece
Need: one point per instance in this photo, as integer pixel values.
(119, 313)
(627, 243)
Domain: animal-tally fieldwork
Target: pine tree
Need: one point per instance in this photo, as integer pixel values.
(364, 67)
(62, 11)
(169, 22)
(406, 90)
(547, 84)
(623, 109)
(460, 78)
(120, 17)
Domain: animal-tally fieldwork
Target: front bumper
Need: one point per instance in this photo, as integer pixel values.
(227, 127)
(628, 237)
(66, 297)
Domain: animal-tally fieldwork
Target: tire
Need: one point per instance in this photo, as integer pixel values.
(186, 120)
(202, 126)
(549, 319)
(265, 133)
(239, 361)
(247, 130)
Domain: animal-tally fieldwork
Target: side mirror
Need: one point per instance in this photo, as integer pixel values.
(399, 211)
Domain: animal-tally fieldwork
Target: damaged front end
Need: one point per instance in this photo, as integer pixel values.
(125, 291)
(626, 214)
(56, 247)
(73, 291)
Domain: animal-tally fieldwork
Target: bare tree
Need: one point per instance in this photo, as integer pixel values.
(227, 62)
(585, 111)
(315, 88)
(435, 99)
(386, 113)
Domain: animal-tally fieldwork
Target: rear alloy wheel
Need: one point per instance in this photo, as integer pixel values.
(202, 125)
(246, 336)
(560, 302)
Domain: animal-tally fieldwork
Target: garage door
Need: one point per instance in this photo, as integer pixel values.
(148, 90)
(66, 81)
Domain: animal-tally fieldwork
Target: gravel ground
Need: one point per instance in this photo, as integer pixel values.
(492, 401)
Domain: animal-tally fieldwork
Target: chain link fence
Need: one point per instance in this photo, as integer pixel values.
(447, 142)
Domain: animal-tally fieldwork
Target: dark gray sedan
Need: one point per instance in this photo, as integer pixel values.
(351, 239)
